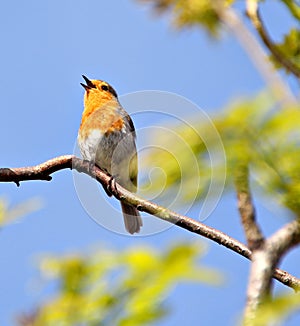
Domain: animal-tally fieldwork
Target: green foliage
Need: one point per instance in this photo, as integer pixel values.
(10, 215)
(257, 135)
(2, 212)
(289, 48)
(274, 312)
(117, 288)
(207, 14)
(190, 13)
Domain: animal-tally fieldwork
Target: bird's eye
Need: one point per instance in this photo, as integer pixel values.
(104, 87)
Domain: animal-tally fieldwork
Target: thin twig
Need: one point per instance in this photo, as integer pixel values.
(43, 171)
(293, 7)
(252, 230)
(258, 56)
(253, 14)
(246, 208)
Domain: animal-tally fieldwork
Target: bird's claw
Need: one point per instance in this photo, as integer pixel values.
(112, 185)
(111, 188)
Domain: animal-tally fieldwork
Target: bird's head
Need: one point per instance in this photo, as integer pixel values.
(98, 92)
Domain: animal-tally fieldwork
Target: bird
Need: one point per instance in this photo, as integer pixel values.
(106, 138)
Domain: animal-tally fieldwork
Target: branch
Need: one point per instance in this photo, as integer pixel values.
(258, 56)
(285, 238)
(265, 253)
(43, 171)
(264, 261)
(38, 172)
(246, 208)
(248, 217)
(253, 14)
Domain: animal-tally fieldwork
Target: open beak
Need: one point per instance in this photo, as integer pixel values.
(88, 85)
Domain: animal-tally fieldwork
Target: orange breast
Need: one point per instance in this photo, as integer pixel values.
(106, 119)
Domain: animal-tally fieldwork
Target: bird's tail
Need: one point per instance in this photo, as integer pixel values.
(132, 218)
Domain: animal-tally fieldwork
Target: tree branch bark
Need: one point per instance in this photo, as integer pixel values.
(44, 170)
(264, 261)
(246, 208)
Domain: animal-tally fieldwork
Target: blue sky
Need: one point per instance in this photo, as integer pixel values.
(46, 47)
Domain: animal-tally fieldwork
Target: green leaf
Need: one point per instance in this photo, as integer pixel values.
(10, 215)
(289, 48)
(191, 13)
(261, 140)
(118, 288)
(275, 311)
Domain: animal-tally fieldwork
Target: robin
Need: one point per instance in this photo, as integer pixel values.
(106, 138)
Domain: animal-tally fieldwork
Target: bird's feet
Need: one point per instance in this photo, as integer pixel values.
(112, 186)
